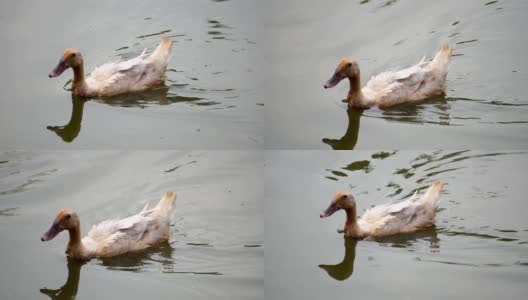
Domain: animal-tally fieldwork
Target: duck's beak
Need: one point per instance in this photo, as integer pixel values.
(334, 80)
(58, 70)
(329, 211)
(51, 233)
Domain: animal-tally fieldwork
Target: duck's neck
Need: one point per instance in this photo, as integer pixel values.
(75, 247)
(355, 96)
(79, 85)
(350, 216)
(351, 227)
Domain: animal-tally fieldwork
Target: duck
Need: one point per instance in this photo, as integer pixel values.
(419, 82)
(140, 73)
(417, 212)
(109, 238)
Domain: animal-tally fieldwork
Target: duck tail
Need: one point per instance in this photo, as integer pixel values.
(432, 195)
(163, 52)
(442, 58)
(167, 204)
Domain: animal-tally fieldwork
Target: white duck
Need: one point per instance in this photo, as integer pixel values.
(419, 82)
(113, 237)
(410, 215)
(138, 74)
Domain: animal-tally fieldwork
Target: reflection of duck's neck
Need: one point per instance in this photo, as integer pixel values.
(345, 268)
(349, 140)
(77, 113)
(350, 250)
(74, 274)
(71, 130)
(352, 132)
(70, 288)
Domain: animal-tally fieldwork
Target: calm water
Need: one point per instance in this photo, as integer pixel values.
(478, 249)
(248, 75)
(216, 244)
(209, 100)
(485, 104)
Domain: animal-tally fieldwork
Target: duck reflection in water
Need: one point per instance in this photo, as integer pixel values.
(71, 130)
(349, 140)
(432, 111)
(345, 268)
(156, 96)
(70, 288)
(134, 262)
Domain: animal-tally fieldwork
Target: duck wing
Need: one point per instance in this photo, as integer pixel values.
(395, 87)
(106, 72)
(103, 72)
(113, 237)
(114, 78)
(421, 81)
(395, 220)
(109, 228)
(387, 219)
(402, 212)
(135, 68)
(407, 81)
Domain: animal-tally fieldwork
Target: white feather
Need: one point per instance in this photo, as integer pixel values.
(148, 227)
(418, 82)
(412, 214)
(136, 74)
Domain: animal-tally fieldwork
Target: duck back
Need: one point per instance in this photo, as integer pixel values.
(143, 230)
(418, 82)
(410, 215)
(137, 74)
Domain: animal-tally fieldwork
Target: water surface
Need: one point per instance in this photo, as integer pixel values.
(485, 105)
(477, 250)
(208, 100)
(216, 240)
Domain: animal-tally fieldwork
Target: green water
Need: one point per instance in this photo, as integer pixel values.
(209, 100)
(215, 248)
(478, 249)
(243, 131)
(485, 105)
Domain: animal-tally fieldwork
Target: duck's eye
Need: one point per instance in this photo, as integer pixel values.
(68, 216)
(345, 196)
(349, 64)
(73, 54)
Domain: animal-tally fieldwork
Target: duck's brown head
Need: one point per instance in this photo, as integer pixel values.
(71, 58)
(346, 68)
(66, 219)
(341, 200)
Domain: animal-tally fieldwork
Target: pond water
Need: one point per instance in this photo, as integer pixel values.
(477, 250)
(209, 99)
(247, 76)
(216, 240)
(485, 105)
